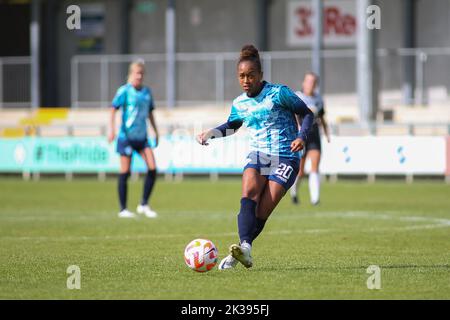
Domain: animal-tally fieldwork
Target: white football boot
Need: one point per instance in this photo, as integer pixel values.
(242, 253)
(126, 214)
(145, 210)
(228, 263)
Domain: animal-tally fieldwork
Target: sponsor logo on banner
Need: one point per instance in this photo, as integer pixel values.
(339, 23)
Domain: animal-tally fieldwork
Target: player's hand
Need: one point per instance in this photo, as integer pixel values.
(297, 145)
(202, 138)
(111, 136)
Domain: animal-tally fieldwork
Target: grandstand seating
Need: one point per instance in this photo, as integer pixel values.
(432, 120)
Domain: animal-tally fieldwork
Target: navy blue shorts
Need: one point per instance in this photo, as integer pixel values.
(125, 147)
(313, 143)
(279, 169)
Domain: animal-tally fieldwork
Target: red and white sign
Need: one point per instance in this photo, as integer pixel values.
(339, 23)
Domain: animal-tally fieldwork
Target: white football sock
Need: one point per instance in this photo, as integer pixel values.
(314, 186)
(294, 188)
(246, 245)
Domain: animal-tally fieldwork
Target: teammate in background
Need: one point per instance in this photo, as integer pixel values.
(313, 147)
(136, 102)
(267, 110)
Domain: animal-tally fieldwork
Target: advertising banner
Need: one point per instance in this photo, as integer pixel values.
(181, 153)
(384, 155)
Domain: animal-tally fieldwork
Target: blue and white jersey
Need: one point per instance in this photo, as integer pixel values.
(270, 119)
(136, 106)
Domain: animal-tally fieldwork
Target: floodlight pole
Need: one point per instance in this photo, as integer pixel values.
(125, 30)
(170, 54)
(366, 71)
(317, 44)
(408, 42)
(34, 48)
(263, 22)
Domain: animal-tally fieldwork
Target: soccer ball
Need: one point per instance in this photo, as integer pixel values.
(200, 255)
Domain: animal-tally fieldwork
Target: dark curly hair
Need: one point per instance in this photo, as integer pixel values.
(250, 53)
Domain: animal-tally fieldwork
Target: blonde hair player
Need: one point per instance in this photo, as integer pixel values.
(313, 147)
(136, 102)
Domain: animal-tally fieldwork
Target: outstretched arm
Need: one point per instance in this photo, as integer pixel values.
(224, 130)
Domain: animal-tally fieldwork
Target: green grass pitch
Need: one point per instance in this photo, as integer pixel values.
(305, 252)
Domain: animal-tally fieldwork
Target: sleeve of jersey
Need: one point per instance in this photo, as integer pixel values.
(291, 101)
(233, 123)
(119, 98)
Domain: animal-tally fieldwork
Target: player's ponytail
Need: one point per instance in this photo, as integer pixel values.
(250, 53)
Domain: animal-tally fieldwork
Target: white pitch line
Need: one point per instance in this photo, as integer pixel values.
(435, 223)
(151, 236)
